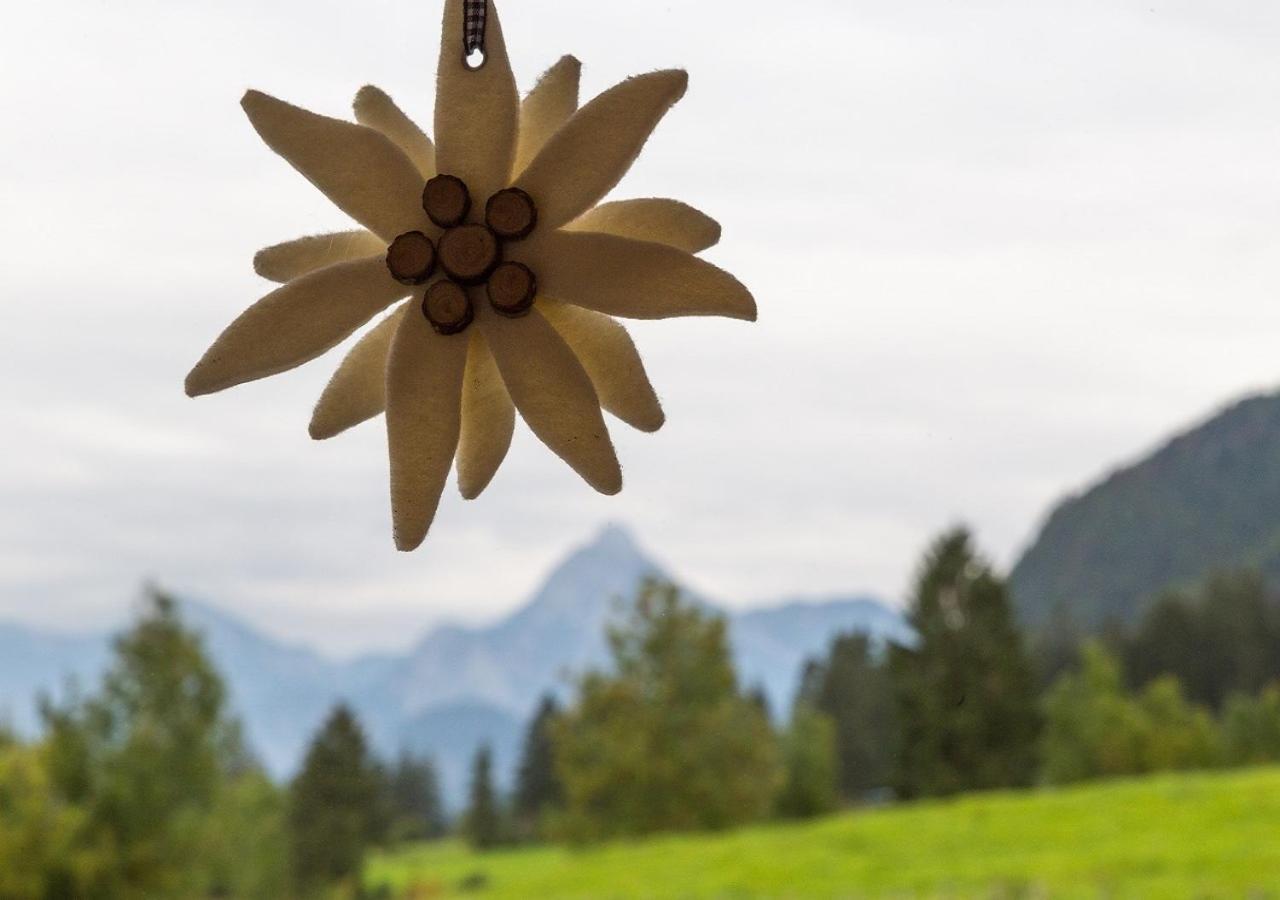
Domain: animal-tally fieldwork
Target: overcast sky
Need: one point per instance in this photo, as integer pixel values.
(998, 248)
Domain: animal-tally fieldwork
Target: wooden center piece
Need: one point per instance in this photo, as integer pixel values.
(446, 200)
(447, 307)
(511, 214)
(469, 253)
(411, 258)
(512, 288)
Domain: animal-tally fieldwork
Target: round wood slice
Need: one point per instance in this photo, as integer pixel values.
(446, 200)
(411, 258)
(512, 288)
(468, 253)
(447, 307)
(511, 214)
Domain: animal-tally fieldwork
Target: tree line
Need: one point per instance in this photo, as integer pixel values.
(666, 739)
(145, 786)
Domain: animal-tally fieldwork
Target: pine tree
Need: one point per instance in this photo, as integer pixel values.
(966, 691)
(483, 822)
(853, 689)
(809, 752)
(416, 809)
(538, 787)
(334, 804)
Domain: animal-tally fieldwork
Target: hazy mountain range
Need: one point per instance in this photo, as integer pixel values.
(458, 686)
(1208, 498)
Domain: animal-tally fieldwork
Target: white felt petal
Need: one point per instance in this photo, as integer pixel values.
(554, 395)
(611, 360)
(654, 219)
(285, 262)
(477, 111)
(377, 110)
(595, 148)
(358, 389)
(359, 169)
(549, 105)
(424, 410)
(488, 420)
(296, 323)
(635, 279)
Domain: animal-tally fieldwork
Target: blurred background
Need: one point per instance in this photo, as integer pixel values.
(985, 504)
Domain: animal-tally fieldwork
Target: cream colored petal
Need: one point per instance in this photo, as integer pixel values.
(296, 323)
(590, 154)
(360, 170)
(554, 395)
(610, 358)
(654, 219)
(377, 110)
(285, 262)
(424, 409)
(635, 279)
(549, 105)
(488, 420)
(477, 111)
(358, 389)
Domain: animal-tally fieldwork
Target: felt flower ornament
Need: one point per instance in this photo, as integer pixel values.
(513, 270)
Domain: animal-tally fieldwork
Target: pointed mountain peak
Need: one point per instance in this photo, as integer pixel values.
(608, 567)
(613, 539)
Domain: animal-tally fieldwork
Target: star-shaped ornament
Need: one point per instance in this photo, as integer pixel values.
(502, 273)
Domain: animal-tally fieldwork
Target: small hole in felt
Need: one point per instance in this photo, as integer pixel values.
(474, 60)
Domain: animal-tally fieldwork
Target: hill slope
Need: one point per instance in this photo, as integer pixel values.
(1204, 835)
(1209, 498)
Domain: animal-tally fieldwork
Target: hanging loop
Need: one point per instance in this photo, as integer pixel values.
(473, 19)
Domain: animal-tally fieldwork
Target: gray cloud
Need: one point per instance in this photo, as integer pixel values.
(1020, 242)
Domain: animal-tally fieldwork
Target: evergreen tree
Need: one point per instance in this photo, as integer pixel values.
(483, 822)
(334, 804)
(1221, 639)
(538, 787)
(146, 757)
(664, 741)
(414, 803)
(757, 697)
(809, 754)
(965, 691)
(853, 689)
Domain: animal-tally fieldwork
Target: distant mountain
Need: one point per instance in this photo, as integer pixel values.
(32, 661)
(458, 687)
(1209, 498)
(450, 734)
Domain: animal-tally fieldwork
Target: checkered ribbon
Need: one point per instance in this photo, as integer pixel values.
(473, 13)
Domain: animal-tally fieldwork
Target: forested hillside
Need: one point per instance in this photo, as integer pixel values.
(1208, 499)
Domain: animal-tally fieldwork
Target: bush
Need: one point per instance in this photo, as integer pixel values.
(1251, 728)
(1091, 729)
(1094, 730)
(1177, 735)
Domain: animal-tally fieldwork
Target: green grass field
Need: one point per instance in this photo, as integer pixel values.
(1193, 836)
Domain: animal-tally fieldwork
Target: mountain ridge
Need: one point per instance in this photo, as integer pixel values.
(1205, 498)
(457, 684)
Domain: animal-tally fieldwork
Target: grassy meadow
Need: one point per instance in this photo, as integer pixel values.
(1184, 836)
